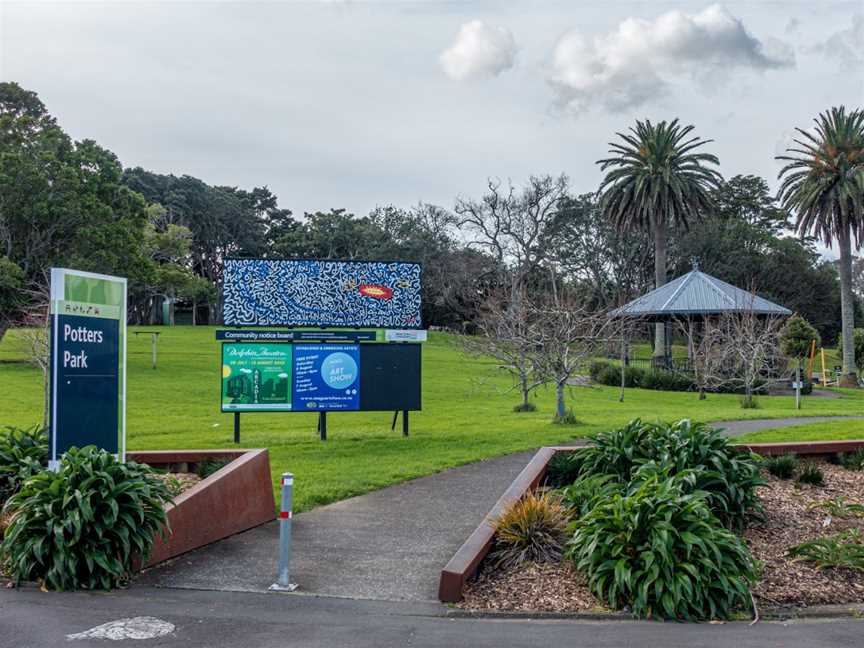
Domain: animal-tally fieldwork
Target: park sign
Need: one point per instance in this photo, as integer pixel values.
(88, 362)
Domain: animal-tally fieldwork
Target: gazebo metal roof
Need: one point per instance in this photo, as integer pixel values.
(697, 293)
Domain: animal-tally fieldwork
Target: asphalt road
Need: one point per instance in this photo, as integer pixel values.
(33, 619)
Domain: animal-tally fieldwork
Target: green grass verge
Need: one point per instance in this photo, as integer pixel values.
(467, 415)
(823, 431)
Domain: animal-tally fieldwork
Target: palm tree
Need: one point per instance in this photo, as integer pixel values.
(657, 180)
(824, 187)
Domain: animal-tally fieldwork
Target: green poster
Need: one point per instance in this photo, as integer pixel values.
(256, 377)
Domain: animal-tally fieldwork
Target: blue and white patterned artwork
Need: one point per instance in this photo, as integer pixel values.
(263, 292)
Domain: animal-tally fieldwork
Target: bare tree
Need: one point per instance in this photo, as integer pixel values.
(510, 225)
(707, 350)
(505, 334)
(750, 344)
(36, 339)
(565, 336)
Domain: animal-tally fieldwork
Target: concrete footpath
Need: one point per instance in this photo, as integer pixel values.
(389, 544)
(734, 428)
(205, 619)
(386, 545)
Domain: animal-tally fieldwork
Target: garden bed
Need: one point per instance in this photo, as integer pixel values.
(234, 498)
(789, 521)
(791, 517)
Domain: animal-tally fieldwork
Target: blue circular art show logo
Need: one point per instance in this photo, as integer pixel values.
(339, 370)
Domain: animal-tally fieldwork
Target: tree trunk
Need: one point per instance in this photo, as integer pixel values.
(46, 397)
(194, 312)
(659, 280)
(847, 306)
(523, 380)
(623, 366)
(559, 395)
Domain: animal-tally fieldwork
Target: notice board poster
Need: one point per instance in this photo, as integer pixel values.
(326, 377)
(256, 377)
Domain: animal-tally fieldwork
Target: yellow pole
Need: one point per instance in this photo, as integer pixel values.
(824, 377)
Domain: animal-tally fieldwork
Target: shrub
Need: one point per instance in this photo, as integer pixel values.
(588, 491)
(750, 402)
(563, 469)
(596, 368)
(525, 407)
(839, 507)
(83, 526)
(532, 529)
(209, 466)
(617, 451)
(782, 467)
(840, 550)
(568, 418)
(851, 460)
(660, 550)
(811, 474)
(23, 452)
(729, 476)
(663, 380)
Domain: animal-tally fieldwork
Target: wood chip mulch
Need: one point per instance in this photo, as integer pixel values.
(535, 587)
(788, 523)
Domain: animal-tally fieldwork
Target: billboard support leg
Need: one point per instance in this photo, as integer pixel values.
(393, 424)
(322, 425)
(236, 427)
(405, 423)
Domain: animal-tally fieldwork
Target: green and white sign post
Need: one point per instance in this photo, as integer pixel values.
(88, 362)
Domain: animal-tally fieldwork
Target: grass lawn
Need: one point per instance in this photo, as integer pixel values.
(824, 431)
(466, 415)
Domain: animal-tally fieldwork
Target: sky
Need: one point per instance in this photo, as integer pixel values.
(351, 104)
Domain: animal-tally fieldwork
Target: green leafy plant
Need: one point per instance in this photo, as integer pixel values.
(838, 507)
(23, 452)
(750, 402)
(660, 550)
(525, 407)
(174, 486)
(811, 474)
(531, 529)
(783, 466)
(209, 466)
(587, 491)
(840, 550)
(83, 526)
(568, 418)
(851, 460)
(562, 469)
(728, 475)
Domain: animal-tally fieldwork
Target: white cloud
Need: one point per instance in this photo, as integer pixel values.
(479, 51)
(640, 59)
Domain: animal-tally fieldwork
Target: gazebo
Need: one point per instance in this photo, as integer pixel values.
(695, 295)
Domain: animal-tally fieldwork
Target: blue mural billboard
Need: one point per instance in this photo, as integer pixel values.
(326, 377)
(271, 292)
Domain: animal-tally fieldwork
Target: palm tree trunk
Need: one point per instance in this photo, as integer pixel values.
(659, 280)
(847, 310)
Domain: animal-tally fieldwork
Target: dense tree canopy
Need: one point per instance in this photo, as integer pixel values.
(72, 203)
